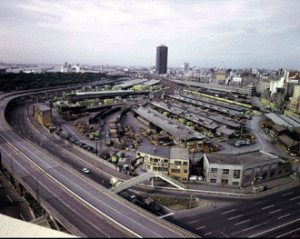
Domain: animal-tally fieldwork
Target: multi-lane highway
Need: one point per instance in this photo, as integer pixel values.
(84, 205)
(271, 215)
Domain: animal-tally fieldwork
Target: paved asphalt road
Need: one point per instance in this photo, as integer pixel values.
(271, 215)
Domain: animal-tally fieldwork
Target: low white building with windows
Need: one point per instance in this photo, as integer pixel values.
(243, 169)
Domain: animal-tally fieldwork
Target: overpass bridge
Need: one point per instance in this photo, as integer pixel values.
(141, 178)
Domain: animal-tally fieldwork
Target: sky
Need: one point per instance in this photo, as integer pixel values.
(204, 33)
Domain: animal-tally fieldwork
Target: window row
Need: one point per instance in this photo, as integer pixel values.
(236, 173)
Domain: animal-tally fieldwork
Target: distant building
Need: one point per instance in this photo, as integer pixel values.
(295, 100)
(161, 59)
(186, 67)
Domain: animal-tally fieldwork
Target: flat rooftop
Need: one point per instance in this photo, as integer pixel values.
(240, 159)
(42, 106)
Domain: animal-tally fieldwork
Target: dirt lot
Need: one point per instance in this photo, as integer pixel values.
(177, 204)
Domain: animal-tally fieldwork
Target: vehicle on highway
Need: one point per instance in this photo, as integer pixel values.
(85, 170)
(127, 196)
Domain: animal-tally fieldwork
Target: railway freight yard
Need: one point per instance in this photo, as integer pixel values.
(136, 135)
(113, 122)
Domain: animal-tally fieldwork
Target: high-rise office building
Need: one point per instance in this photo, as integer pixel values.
(161, 59)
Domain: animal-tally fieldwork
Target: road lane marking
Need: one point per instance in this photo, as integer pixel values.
(22, 217)
(268, 207)
(228, 211)
(242, 222)
(259, 202)
(286, 194)
(199, 228)
(235, 217)
(208, 233)
(294, 198)
(286, 215)
(282, 235)
(275, 211)
(223, 234)
(249, 228)
(9, 198)
(193, 221)
(166, 215)
(272, 229)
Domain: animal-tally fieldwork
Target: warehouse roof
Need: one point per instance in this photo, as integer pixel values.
(179, 131)
(130, 83)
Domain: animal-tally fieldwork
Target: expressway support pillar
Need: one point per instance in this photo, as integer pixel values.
(1, 162)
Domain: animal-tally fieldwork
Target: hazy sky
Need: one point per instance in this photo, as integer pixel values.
(205, 33)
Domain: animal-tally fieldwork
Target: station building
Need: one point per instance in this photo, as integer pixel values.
(43, 114)
(173, 162)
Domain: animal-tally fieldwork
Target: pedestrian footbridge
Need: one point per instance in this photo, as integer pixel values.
(139, 179)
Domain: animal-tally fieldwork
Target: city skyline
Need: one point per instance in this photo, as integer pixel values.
(225, 34)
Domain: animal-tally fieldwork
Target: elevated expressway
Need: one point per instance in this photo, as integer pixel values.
(79, 204)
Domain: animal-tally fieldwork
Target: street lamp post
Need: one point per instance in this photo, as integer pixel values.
(253, 182)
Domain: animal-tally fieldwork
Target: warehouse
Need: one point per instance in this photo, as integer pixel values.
(179, 133)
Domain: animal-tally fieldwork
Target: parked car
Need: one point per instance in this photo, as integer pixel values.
(90, 148)
(83, 145)
(76, 142)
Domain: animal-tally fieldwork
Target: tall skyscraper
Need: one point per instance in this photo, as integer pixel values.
(161, 59)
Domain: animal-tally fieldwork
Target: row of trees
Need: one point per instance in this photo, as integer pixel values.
(23, 81)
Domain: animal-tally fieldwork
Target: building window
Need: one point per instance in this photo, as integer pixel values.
(166, 161)
(224, 181)
(214, 170)
(156, 160)
(177, 178)
(213, 180)
(236, 173)
(235, 183)
(174, 170)
(151, 159)
(155, 168)
(177, 162)
(185, 163)
(272, 173)
(185, 171)
(287, 170)
(165, 169)
(225, 171)
(148, 166)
